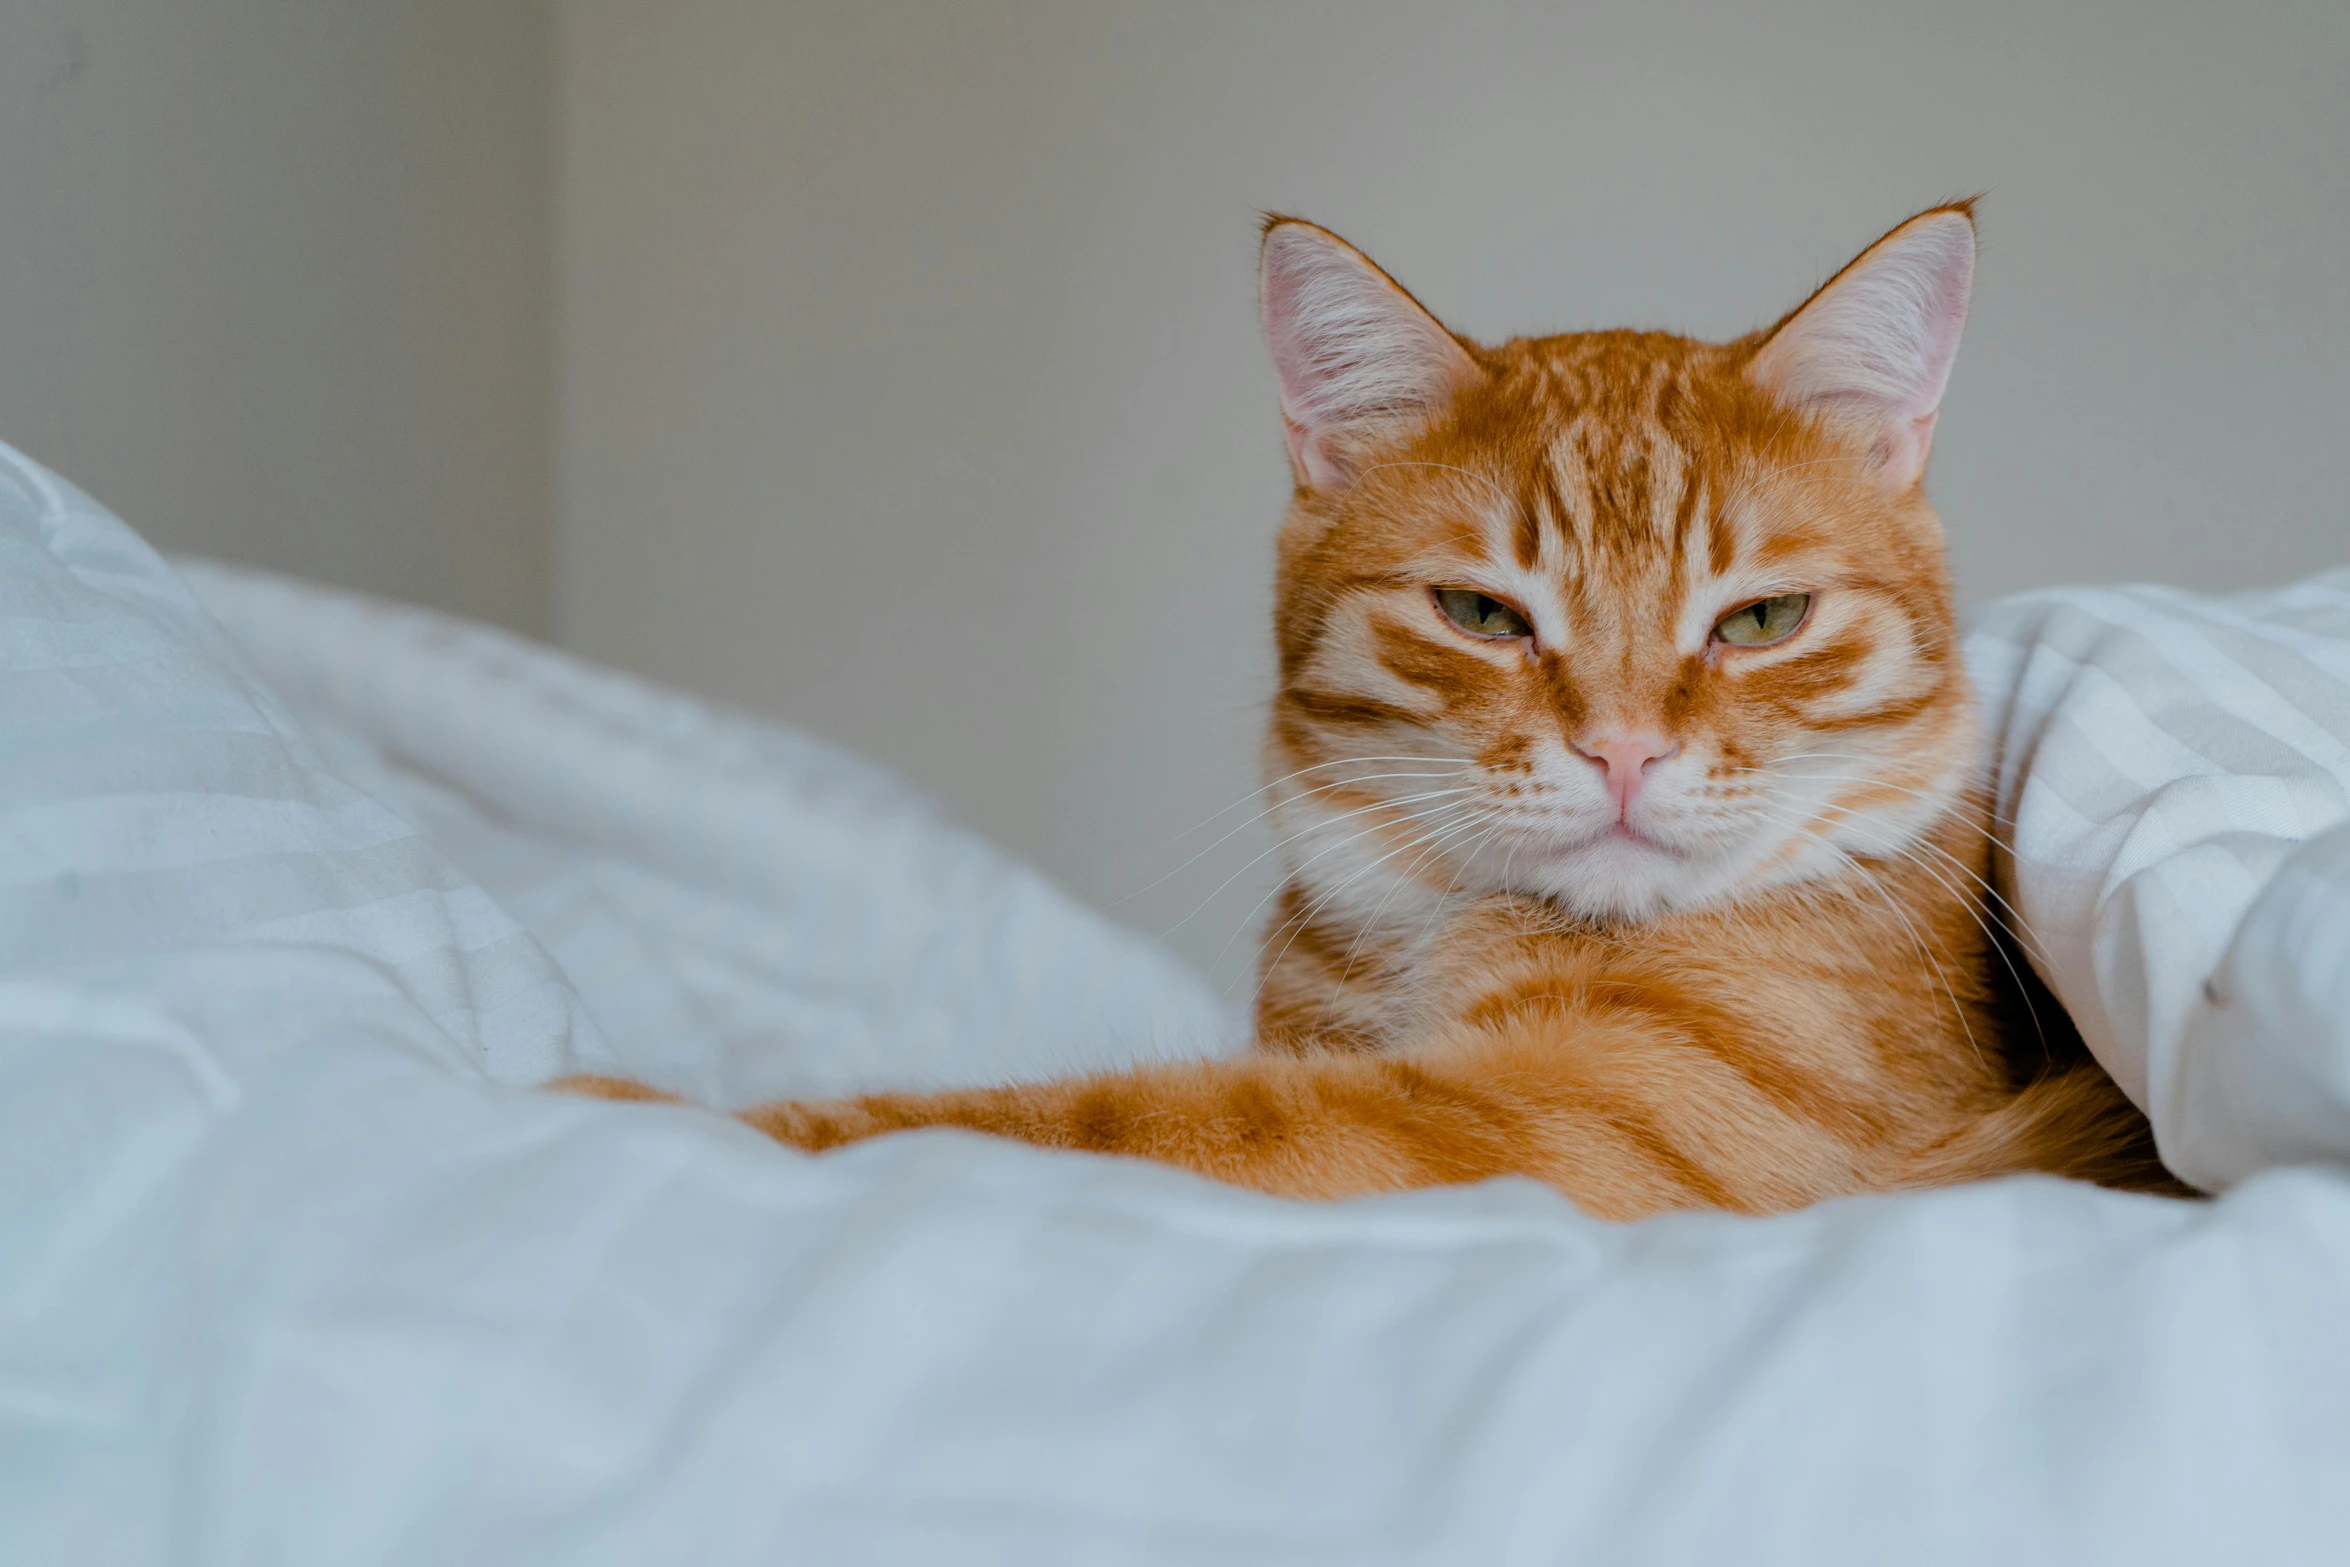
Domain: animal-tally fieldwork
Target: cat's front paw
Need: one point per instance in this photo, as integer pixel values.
(812, 1124)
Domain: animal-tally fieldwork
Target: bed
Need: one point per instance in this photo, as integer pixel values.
(300, 893)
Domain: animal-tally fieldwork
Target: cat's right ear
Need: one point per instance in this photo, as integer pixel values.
(1872, 349)
(1360, 362)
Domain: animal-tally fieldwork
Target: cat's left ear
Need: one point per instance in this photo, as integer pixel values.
(1872, 349)
(1360, 361)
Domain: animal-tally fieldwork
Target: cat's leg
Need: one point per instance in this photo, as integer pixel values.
(1317, 1125)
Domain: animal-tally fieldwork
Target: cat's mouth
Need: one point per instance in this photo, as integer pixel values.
(1621, 836)
(1618, 835)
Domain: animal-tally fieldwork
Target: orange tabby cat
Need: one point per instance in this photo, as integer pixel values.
(1631, 778)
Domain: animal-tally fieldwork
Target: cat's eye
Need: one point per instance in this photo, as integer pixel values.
(1481, 614)
(1764, 621)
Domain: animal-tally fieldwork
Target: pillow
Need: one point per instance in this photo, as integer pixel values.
(2173, 770)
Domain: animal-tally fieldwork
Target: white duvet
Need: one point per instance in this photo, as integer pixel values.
(293, 1268)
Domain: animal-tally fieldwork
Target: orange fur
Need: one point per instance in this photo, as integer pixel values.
(1689, 923)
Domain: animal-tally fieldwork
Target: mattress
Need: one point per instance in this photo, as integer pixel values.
(300, 893)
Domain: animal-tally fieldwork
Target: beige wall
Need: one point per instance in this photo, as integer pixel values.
(911, 389)
(273, 281)
(903, 380)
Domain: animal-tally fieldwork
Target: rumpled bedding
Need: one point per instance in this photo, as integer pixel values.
(295, 1267)
(2174, 771)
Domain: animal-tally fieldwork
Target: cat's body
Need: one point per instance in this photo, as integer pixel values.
(1628, 776)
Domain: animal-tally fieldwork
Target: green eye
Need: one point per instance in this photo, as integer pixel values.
(1481, 615)
(1765, 621)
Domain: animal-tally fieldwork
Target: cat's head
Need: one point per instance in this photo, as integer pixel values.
(1620, 619)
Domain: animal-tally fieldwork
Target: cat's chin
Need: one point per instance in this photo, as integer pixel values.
(1623, 878)
(1618, 876)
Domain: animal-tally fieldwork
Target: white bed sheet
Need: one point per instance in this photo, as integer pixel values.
(290, 1272)
(745, 912)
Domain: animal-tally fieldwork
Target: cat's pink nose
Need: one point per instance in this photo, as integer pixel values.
(1627, 758)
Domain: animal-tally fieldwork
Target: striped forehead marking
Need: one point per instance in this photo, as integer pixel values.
(1625, 509)
(1542, 510)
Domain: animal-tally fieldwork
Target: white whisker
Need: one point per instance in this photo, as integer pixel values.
(1341, 783)
(1435, 848)
(1415, 818)
(1409, 799)
(1967, 903)
(1957, 1008)
(1306, 916)
(1275, 783)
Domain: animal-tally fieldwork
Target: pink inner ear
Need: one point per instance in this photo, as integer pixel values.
(1906, 447)
(1877, 344)
(1294, 433)
(1356, 356)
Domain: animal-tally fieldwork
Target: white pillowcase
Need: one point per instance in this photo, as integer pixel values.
(2164, 758)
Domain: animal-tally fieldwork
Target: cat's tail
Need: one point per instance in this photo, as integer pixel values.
(2074, 1123)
